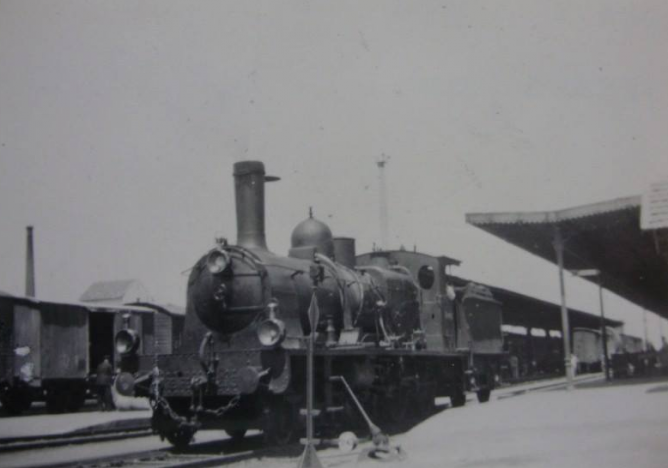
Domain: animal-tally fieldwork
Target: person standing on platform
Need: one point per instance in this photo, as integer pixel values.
(104, 379)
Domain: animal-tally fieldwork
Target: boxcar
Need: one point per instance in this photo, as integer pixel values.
(44, 354)
(50, 351)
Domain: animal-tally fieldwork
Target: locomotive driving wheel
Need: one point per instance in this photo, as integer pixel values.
(281, 423)
(396, 406)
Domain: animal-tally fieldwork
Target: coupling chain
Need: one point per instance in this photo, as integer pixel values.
(218, 412)
(161, 403)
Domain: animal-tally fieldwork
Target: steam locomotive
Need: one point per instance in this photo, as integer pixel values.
(387, 323)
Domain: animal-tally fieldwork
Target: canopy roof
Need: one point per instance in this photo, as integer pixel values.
(604, 236)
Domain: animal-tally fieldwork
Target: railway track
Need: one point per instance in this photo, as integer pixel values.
(207, 454)
(161, 458)
(18, 444)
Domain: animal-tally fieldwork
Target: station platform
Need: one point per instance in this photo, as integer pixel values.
(613, 424)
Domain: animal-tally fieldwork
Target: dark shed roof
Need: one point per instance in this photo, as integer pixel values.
(526, 311)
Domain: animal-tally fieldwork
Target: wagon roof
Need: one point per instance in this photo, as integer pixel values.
(76, 305)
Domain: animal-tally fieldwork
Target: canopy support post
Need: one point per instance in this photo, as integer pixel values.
(565, 327)
(604, 329)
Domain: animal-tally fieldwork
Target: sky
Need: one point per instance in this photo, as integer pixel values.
(120, 122)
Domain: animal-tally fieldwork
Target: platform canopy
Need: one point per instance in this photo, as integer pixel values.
(607, 236)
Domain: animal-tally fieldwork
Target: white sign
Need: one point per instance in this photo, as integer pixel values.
(654, 209)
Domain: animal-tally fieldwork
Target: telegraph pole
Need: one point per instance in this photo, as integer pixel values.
(30, 263)
(384, 223)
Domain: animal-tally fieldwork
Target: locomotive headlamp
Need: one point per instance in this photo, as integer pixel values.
(217, 261)
(127, 341)
(271, 332)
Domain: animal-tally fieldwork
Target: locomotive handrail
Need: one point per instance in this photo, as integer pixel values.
(341, 286)
(244, 253)
(275, 265)
(354, 274)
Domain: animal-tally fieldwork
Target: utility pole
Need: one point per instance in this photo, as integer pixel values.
(384, 222)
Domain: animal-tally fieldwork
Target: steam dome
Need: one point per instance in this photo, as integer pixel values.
(311, 235)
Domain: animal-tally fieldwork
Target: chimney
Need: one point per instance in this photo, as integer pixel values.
(249, 180)
(30, 264)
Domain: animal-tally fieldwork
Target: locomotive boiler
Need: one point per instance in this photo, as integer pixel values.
(387, 324)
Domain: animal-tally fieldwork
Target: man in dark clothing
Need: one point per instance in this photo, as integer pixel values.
(104, 379)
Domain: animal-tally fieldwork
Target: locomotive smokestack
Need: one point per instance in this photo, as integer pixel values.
(30, 264)
(249, 179)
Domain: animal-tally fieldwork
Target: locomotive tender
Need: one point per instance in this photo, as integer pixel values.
(388, 322)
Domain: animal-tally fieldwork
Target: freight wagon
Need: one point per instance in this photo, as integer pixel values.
(49, 351)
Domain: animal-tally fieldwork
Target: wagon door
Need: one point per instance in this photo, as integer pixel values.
(27, 343)
(64, 342)
(101, 332)
(6, 340)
